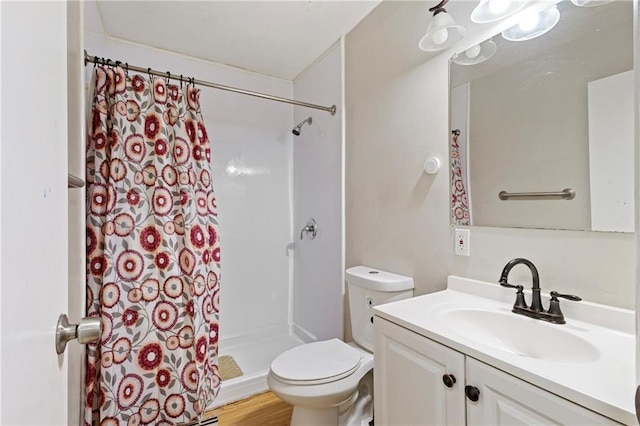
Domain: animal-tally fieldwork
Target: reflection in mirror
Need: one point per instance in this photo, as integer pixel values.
(544, 115)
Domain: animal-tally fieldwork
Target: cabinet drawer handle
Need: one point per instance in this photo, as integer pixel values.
(449, 380)
(472, 392)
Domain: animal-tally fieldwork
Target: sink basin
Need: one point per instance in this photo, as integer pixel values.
(519, 335)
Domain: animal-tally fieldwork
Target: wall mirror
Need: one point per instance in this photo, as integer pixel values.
(544, 115)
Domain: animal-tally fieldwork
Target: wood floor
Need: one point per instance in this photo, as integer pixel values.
(260, 410)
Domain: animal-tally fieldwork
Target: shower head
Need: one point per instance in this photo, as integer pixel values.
(297, 130)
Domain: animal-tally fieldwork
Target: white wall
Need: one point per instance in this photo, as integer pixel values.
(611, 153)
(0, 218)
(636, 157)
(318, 193)
(251, 150)
(398, 217)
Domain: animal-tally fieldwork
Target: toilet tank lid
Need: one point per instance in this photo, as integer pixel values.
(378, 280)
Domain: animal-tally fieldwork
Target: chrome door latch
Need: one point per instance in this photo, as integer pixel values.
(87, 331)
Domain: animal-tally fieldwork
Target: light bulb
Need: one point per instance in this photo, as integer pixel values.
(529, 21)
(440, 36)
(473, 51)
(498, 6)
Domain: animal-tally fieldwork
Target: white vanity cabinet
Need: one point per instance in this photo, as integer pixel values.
(411, 388)
(507, 400)
(408, 379)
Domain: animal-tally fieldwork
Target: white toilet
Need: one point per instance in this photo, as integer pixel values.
(331, 382)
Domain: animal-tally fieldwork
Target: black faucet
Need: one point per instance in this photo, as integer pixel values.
(554, 314)
(536, 301)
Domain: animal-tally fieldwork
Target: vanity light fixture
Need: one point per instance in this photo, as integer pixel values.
(476, 54)
(442, 30)
(533, 24)
(492, 10)
(590, 3)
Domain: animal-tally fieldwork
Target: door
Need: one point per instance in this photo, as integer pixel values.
(507, 400)
(76, 205)
(33, 211)
(417, 381)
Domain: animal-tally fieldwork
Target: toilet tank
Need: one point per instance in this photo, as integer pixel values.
(369, 287)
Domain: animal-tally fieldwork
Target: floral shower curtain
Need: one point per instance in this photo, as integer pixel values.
(153, 254)
(459, 198)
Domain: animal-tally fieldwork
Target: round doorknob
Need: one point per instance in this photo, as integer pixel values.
(472, 392)
(449, 380)
(87, 331)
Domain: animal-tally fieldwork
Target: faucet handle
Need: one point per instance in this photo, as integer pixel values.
(506, 284)
(311, 229)
(520, 302)
(554, 296)
(554, 306)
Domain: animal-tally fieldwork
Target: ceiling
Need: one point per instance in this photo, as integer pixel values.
(276, 38)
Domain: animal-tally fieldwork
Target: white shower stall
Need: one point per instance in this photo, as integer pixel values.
(277, 291)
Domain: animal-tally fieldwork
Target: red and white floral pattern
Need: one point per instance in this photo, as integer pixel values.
(152, 238)
(459, 199)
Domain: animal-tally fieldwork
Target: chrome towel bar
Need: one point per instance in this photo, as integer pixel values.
(565, 194)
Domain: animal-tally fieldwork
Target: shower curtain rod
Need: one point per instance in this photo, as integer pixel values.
(96, 60)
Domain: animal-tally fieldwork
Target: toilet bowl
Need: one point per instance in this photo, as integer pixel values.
(320, 380)
(331, 382)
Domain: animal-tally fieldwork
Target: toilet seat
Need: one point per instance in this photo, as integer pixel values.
(316, 363)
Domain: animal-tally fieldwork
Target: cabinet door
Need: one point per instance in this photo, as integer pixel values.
(507, 400)
(408, 376)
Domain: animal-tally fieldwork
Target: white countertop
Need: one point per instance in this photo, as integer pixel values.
(605, 385)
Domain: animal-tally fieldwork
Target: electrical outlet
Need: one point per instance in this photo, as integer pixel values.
(462, 242)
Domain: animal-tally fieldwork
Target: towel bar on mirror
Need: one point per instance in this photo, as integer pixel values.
(565, 194)
(74, 181)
